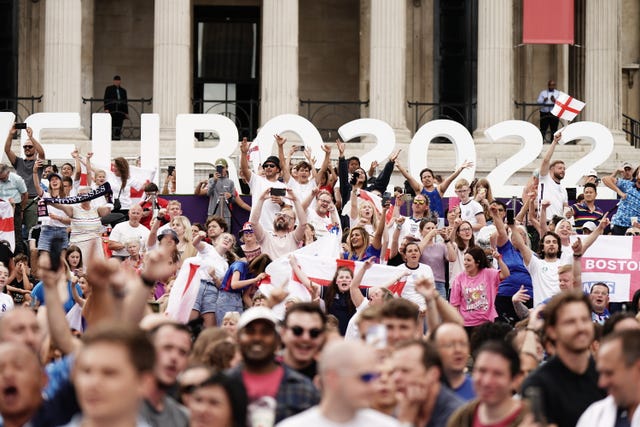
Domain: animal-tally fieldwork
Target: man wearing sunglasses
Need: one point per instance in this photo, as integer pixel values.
(303, 336)
(260, 183)
(419, 210)
(271, 388)
(348, 374)
(24, 168)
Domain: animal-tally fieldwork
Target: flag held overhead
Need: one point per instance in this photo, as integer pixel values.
(567, 107)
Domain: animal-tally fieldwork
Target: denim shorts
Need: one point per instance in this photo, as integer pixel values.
(207, 298)
(227, 302)
(441, 287)
(48, 233)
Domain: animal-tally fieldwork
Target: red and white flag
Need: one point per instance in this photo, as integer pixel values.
(567, 107)
(6, 224)
(184, 291)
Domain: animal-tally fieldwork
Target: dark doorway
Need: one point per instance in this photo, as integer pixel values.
(226, 67)
(456, 57)
(9, 55)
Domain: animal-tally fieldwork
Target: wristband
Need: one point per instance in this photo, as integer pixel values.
(577, 255)
(447, 241)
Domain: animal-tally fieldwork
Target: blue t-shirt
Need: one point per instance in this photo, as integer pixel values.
(466, 391)
(628, 207)
(240, 266)
(38, 295)
(370, 252)
(435, 201)
(519, 273)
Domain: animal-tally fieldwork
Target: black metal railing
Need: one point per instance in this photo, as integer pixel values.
(244, 113)
(631, 128)
(131, 123)
(328, 116)
(530, 111)
(424, 112)
(21, 106)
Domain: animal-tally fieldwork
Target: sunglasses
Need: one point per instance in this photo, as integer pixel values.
(367, 377)
(419, 202)
(27, 147)
(299, 330)
(247, 231)
(277, 214)
(268, 165)
(632, 234)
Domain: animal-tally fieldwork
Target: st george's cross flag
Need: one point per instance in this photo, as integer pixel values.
(567, 107)
(6, 224)
(185, 290)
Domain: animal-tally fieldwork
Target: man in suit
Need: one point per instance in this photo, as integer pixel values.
(115, 103)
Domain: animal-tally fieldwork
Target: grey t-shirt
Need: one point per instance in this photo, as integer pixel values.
(24, 168)
(173, 415)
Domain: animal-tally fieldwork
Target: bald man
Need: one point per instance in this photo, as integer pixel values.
(452, 343)
(347, 372)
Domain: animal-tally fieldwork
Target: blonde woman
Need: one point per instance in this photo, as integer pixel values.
(182, 226)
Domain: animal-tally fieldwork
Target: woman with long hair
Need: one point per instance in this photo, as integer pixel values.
(219, 401)
(121, 184)
(55, 224)
(436, 254)
(462, 238)
(361, 246)
(73, 257)
(182, 226)
(473, 291)
(414, 269)
(481, 190)
(86, 227)
(362, 213)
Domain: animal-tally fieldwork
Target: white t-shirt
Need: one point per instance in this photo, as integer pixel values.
(301, 191)
(123, 232)
(409, 290)
(210, 258)
(46, 220)
(469, 210)
(353, 333)
(276, 246)
(6, 303)
(555, 193)
(258, 186)
(363, 418)
(320, 224)
(544, 277)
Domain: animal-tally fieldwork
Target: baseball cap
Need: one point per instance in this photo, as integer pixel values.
(592, 172)
(221, 162)
(257, 313)
(54, 175)
(627, 165)
(246, 227)
(590, 225)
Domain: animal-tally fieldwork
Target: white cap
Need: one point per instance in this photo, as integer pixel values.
(257, 313)
(592, 172)
(590, 225)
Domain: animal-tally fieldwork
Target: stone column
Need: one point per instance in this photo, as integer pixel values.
(171, 63)
(387, 89)
(62, 56)
(495, 62)
(602, 64)
(279, 76)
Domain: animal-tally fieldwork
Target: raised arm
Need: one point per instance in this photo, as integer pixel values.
(417, 187)
(497, 221)
(245, 170)
(395, 237)
(301, 214)
(354, 288)
(78, 166)
(611, 182)
(36, 178)
(326, 162)
(546, 160)
(504, 269)
(311, 287)
(254, 217)
(36, 145)
(286, 175)
(382, 181)
(520, 245)
(307, 200)
(376, 242)
(442, 188)
(7, 146)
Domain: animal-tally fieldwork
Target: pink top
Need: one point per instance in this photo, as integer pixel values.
(475, 296)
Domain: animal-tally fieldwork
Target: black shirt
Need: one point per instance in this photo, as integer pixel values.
(565, 394)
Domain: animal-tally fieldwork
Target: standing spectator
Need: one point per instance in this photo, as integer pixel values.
(221, 191)
(24, 169)
(121, 185)
(347, 376)
(323, 217)
(14, 190)
(629, 206)
(127, 231)
(453, 347)
(430, 188)
(435, 254)
(470, 210)
(303, 335)
(546, 99)
(271, 387)
(568, 382)
(586, 211)
(259, 184)
(115, 103)
(55, 224)
(550, 187)
(474, 290)
(249, 247)
(151, 204)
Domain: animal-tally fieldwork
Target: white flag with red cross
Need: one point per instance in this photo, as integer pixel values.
(567, 107)
(6, 224)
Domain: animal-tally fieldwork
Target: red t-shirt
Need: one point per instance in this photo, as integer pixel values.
(504, 423)
(258, 385)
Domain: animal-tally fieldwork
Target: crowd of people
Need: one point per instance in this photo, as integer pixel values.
(481, 318)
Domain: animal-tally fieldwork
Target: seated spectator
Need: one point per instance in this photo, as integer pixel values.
(134, 259)
(599, 297)
(6, 302)
(127, 231)
(19, 283)
(586, 211)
